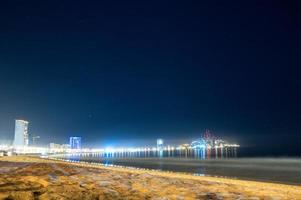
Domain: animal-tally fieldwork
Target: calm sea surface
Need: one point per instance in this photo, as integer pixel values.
(283, 170)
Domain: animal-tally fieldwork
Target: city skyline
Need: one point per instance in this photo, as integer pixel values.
(22, 135)
(127, 73)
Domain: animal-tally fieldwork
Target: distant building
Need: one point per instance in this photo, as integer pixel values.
(75, 142)
(66, 146)
(21, 133)
(160, 143)
(198, 144)
(55, 146)
(219, 143)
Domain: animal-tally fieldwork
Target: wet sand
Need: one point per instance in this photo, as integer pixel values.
(36, 178)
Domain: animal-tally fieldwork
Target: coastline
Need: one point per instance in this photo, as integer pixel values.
(281, 170)
(46, 177)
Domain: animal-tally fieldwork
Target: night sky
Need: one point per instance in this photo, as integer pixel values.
(128, 72)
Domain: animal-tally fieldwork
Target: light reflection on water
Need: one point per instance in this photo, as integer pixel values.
(159, 160)
(201, 153)
(284, 170)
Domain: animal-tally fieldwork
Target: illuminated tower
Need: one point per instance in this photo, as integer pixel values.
(75, 142)
(160, 143)
(21, 133)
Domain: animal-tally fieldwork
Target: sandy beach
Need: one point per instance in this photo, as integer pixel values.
(25, 178)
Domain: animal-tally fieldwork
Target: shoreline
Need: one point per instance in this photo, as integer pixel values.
(174, 182)
(256, 169)
(114, 166)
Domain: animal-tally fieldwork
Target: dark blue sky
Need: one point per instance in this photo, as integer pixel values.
(137, 70)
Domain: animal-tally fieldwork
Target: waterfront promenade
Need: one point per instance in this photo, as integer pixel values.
(35, 178)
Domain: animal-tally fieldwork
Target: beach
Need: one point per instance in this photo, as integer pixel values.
(24, 177)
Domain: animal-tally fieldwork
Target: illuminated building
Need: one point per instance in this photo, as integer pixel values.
(219, 143)
(160, 147)
(55, 146)
(21, 133)
(199, 144)
(75, 142)
(160, 143)
(65, 146)
(199, 147)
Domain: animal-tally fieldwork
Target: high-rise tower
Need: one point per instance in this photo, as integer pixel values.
(75, 142)
(160, 143)
(21, 133)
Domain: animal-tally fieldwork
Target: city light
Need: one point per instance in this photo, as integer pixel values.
(201, 147)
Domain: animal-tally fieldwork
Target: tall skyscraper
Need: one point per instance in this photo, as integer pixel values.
(21, 133)
(75, 142)
(160, 147)
(160, 143)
